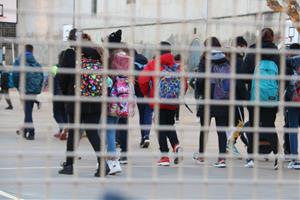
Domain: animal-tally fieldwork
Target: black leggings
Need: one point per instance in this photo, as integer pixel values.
(166, 118)
(267, 118)
(221, 121)
(92, 135)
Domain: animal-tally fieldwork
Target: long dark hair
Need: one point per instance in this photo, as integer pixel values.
(212, 41)
(267, 35)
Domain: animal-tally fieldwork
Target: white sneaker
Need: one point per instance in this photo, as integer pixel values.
(291, 165)
(294, 165)
(114, 166)
(249, 163)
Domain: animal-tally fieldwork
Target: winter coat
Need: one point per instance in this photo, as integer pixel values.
(215, 110)
(139, 61)
(249, 62)
(67, 81)
(144, 81)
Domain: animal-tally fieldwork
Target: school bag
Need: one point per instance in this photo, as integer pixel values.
(121, 90)
(91, 83)
(34, 82)
(169, 85)
(268, 89)
(221, 86)
(120, 60)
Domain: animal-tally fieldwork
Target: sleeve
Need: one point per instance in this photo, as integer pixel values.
(144, 81)
(68, 61)
(200, 82)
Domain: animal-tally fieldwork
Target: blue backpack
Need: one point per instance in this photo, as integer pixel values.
(169, 86)
(268, 89)
(34, 82)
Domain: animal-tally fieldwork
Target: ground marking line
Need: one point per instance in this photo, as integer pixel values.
(5, 194)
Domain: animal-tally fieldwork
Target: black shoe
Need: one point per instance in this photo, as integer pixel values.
(9, 108)
(97, 174)
(123, 160)
(29, 136)
(145, 143)
(67, 169)
(276, 164)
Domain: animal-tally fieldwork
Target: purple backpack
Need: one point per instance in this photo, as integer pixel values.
(221, 86)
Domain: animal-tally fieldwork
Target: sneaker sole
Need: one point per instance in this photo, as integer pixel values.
(163, 164)
(220, 166)
(123, 162)
(146, 144)
(114, 172)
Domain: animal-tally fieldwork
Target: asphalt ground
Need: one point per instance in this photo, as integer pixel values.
(28, 169)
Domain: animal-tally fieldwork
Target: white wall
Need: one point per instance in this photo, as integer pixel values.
(44, 20)
(115, 13)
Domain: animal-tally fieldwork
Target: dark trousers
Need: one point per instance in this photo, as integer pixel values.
(202, 137)
(286, 137)
(122, 135)
(177, 113)
(28, 107)
(166, 118)
(145, 113)
(59, 114)
(92, 135)
(267, 118)
(293, 119)
(221, 121)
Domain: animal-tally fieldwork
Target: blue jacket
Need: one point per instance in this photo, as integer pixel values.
(292, 64)
(34, 80)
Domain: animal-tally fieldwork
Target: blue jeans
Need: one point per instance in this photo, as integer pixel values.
(28, 106)
(145, 113)
(111, 135)
(293, 119)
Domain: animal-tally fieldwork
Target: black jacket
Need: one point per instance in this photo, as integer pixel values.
(139, 61)
(67, 81)
(240, 91)
(249, 62)
(292, 64)
(215, 110)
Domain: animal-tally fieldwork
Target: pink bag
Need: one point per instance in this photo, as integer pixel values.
(120, 61)
(122, 107)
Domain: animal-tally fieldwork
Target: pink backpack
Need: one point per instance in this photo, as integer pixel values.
(122, 107)
(120, 60)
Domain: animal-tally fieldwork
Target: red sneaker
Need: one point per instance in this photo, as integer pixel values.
(164, 161)
(63, 135)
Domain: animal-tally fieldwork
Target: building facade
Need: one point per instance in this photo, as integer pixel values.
(181, 22)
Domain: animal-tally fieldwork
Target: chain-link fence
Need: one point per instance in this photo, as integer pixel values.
(192, 99)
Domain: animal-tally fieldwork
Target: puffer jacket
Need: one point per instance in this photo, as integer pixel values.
(144, 81)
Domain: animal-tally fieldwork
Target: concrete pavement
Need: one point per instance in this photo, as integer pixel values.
(32, 175)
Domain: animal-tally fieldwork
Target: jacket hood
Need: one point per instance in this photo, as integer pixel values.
(30, 60)
(167, 59)
(267, 45)
(139, 58)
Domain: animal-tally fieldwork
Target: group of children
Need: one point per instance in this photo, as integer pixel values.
(169, 86)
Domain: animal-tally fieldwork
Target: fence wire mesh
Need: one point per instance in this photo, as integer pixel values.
(230, 147)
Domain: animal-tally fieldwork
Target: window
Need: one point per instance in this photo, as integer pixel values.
(94, 7)
(131, 1)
